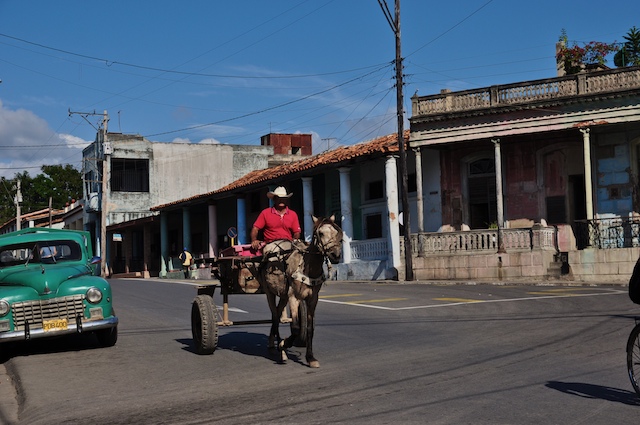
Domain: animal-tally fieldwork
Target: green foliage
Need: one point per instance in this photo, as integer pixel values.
(60, 183)
(575, 56)
(629, 54)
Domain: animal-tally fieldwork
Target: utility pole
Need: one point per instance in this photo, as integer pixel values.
(408, 251)
(394, 23)
(106, 169)
(18, 199)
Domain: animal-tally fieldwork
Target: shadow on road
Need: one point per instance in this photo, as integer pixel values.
(596, 392)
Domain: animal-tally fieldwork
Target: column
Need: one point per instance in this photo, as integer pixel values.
(588, 179)
(393, 237)
(242, 220)
(307, 207)
(499, 197)
(212, 215)
(164, 243)
(420, 200)
(186, 229)
(346, 212)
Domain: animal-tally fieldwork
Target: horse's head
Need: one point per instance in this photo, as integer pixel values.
(327, 237)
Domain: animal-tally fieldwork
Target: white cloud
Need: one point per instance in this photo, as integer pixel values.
(27, 143)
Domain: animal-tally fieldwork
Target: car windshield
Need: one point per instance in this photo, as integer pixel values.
(44, 252)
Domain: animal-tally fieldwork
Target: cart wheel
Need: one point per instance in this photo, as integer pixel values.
(301, 340)
(204, 326)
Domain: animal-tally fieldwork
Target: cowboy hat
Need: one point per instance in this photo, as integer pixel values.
(280, 192)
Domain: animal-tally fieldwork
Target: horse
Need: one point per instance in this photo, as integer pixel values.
(295, 276)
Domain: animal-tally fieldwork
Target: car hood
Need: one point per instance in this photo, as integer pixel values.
(43, 279)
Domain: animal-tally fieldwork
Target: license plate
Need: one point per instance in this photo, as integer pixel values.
(54, 325)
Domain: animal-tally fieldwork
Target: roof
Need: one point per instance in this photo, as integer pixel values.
(342, 155)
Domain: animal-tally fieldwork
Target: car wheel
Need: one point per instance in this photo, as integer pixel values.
(107, 337)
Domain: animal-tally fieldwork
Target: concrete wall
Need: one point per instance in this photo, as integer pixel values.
(180, 170)
(603, 265)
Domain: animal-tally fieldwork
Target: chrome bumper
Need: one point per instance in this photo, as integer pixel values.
(87, 326)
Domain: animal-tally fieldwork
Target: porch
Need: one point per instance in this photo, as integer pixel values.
(602, 250)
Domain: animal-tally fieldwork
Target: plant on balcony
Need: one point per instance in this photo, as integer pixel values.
(629, 54)
(576, 57)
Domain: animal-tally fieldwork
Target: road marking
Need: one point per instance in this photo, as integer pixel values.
(340, 296)
(382, 300)
(458, 300)
(233, 309)
(476, 302)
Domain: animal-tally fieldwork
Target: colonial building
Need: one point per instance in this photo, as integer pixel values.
(538, 178)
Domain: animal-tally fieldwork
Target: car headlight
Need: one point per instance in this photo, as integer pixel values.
(94, 295)
(4, 308)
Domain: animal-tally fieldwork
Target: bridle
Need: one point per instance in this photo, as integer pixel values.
(323, 247)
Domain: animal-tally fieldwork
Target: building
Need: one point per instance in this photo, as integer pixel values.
(538, 178)
(141, 174)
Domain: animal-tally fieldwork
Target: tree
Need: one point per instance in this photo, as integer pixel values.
(60, 183)
(629, 54)
(576, 57)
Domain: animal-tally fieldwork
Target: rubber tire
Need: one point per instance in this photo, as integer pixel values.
(204, 326)
(633, 352)
(107, 337)
(301, 340)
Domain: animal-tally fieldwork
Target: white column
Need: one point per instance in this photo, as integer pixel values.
(499, 197)
(393, 237)
(307, 206)
(346, 212)
(213, 230)
(420, 201)
(588, 190)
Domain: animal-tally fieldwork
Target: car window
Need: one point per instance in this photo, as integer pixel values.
(49, 252)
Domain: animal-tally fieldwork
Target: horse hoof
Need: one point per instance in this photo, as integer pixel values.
(283, 353)
(314, 364)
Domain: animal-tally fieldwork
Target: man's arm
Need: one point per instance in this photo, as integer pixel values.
(255, 243)
(296, 235)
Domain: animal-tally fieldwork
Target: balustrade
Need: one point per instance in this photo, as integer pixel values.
(528, 92)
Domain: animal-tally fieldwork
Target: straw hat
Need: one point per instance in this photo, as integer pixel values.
(280, 192)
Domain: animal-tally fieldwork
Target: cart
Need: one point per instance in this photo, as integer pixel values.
(238, 271)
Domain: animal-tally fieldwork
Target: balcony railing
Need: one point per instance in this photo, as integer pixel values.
(606, 233)
(477, 241)
(528, 91)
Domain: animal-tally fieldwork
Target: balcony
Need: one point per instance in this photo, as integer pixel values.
(528, 92)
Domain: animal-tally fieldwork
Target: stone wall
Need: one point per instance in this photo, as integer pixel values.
(603, 265)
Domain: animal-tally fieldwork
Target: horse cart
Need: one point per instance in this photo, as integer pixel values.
(238, 269)
(288, 273)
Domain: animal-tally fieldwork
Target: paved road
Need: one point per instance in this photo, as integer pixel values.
(390, 353)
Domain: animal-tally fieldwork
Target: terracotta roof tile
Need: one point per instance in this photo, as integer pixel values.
(382, 145)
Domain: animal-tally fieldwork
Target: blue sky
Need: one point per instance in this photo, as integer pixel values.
(233, 71)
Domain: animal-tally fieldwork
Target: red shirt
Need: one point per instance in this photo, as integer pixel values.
(275, 226)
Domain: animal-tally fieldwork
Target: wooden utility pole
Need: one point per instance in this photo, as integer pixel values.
(18, 200)
(106, 166)
(408, 251)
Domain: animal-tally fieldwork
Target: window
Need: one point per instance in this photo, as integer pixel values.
(129, 175)
(373, 223)
(374, 190)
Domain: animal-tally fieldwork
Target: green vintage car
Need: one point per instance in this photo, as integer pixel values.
(50, 286)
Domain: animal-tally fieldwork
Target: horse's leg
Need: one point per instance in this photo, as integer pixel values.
(295, 320)
(274, 335)
(282, 304)
(312, 302)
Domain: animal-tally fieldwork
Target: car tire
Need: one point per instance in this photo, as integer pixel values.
(107, 337)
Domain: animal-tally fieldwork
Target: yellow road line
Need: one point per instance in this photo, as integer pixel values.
(340, 296)
(458, 300)
(383, 300)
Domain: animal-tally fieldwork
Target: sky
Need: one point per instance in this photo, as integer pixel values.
(201, 71)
